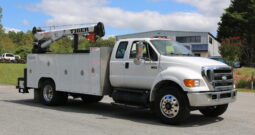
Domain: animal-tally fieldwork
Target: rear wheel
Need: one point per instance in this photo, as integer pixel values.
(214, 111)
(49, 96)
(91, 98)
(171, 106)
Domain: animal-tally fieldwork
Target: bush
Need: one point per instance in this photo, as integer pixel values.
(21, 61)
(243, 84)
(231, 49)
(5, 61)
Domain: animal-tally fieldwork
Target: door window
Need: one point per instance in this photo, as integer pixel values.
(121, 50)
(148, 52)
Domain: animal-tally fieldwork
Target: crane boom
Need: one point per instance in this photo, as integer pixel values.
(43, 39)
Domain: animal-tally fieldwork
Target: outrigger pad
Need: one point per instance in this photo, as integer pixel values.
(99, 29)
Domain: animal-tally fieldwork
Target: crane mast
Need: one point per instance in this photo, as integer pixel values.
(43, 39)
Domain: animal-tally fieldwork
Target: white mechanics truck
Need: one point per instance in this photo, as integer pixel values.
(155, 73)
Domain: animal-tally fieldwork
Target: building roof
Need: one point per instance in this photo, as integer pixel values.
(169, 31)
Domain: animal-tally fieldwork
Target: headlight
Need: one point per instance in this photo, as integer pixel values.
(192, 83)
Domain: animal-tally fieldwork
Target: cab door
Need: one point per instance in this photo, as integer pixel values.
(117, 65)
(141, 75)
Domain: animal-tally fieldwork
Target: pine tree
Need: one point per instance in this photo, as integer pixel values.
(239, 21)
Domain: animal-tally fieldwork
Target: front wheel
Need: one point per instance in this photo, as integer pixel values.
(214, 111)
(171, 105)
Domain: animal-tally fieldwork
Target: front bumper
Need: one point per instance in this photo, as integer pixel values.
(199, 99)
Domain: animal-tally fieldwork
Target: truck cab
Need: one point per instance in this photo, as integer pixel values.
(171, 73)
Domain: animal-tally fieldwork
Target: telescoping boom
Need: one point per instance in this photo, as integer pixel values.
(43, 39)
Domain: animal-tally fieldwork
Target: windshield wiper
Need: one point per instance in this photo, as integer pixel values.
(173, 54)
(187, 54)
(179, 54)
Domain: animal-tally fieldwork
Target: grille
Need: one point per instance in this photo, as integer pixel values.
(220, 78)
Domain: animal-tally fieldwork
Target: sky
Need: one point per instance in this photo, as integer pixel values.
(118, 16)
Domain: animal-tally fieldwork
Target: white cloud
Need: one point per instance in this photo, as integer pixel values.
(25, 22)
(86, 11)
(7, 29)
(108, 36)
(208, 7)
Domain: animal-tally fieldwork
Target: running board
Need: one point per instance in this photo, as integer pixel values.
(129, 106)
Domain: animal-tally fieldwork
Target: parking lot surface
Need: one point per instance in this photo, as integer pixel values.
(20, 115)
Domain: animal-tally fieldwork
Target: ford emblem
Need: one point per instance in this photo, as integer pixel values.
(224, 78)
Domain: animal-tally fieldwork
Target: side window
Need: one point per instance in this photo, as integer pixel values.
(148, 52)
(210, 40)
(133, 51)
(121, 50)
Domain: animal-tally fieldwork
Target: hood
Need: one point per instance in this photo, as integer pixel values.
(189, 61)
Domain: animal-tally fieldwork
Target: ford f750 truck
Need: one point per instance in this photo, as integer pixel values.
(155, 73)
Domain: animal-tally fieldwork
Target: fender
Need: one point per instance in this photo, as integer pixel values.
(176, 75)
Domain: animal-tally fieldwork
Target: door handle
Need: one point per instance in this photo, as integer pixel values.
(126, 65)
(154, 67)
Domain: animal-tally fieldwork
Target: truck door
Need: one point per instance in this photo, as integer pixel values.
(141, 75)
(117, 65)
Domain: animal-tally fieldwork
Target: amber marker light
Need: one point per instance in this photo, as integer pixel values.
(191, 83)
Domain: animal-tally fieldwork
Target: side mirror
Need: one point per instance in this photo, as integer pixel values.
(139, 52)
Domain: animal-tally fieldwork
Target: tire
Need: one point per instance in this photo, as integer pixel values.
(91, 98)
(171, 105)
(214, 111)
(49, 96)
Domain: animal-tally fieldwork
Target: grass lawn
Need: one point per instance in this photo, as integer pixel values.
(245, 90)
(10, 72)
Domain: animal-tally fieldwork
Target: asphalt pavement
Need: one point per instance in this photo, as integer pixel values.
(20, 115)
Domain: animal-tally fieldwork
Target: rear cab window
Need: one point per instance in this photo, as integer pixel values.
(120, 53)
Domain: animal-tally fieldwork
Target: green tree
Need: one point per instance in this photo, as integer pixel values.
(6, 45)
(62, 46)
(65, 45)
(239, 20)
(104, 42)
(1, 16)
(231, 49)
(23, 51)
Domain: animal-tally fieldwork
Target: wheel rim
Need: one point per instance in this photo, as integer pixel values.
(169, 106)
(48, 93)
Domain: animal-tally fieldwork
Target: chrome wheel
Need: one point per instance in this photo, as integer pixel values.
(169, 106)
(48, 93)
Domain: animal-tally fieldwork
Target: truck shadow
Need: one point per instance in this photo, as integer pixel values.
(108, 111)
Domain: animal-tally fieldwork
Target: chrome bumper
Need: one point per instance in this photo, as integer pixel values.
(198, 99)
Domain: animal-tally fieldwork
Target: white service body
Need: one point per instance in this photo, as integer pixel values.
(83, 73)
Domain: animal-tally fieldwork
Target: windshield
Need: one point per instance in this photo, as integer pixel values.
(170, 47)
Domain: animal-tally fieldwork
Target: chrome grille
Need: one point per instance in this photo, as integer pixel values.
(219, 78)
